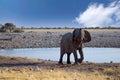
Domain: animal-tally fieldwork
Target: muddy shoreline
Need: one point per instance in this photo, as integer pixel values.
(51, 38)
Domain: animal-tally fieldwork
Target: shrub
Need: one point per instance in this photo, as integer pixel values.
(4, 30)
(9, 26)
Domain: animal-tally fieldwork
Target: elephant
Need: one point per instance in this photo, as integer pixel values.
(71, 42)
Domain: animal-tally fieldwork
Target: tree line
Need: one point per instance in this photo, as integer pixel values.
(10, 27)
(107, 27)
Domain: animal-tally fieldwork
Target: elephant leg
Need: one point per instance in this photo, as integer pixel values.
(81, 55)
(75, 57)
(68, 58)
(61, 56)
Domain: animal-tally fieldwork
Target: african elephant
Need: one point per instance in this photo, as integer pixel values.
(71, 42)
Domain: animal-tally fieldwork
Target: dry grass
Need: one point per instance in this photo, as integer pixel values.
(115, 73)
(49, 70)
(46, 74)
(48, 30)
(70, 30)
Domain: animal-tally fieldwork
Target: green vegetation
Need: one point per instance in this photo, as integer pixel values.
(10, 27)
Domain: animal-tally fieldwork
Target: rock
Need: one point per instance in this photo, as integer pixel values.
(100, 69)
(37, 68)
(51, 70)
(107, 78)
(30, 75)
(111, 61)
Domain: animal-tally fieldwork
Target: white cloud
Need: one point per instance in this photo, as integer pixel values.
(99, 15)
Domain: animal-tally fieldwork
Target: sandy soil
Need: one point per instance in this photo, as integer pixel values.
(35, 38)
(17, 68)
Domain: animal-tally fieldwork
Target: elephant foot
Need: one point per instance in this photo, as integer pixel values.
(80, 60)
(75, 63)
(69, 62)
(60, 62)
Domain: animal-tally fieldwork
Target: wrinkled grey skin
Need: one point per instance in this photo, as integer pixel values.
(71, 42)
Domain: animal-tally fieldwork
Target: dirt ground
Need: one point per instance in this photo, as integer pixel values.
(17, 68)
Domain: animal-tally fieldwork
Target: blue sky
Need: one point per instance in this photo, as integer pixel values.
(59, 13)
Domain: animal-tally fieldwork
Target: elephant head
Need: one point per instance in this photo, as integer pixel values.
(81, 36)
(87, 37)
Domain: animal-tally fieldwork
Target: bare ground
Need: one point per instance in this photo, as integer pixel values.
(17, 68)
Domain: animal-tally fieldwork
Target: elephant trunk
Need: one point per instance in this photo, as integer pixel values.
(81, 38)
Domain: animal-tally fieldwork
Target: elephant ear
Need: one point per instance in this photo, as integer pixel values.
(87, 37)
(73, 36)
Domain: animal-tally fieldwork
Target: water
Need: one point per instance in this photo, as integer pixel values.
(90, 54)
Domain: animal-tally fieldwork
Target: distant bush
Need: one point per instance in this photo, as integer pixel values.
(3, 30)
(18, 30)
(7, 27)
(10, 27)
